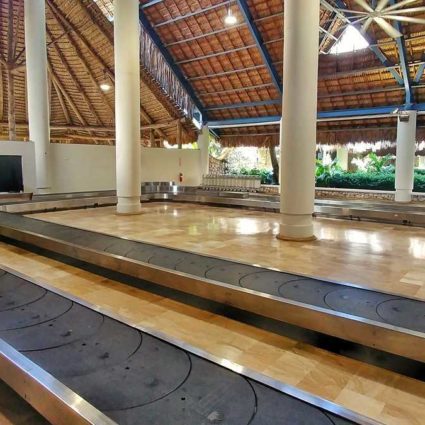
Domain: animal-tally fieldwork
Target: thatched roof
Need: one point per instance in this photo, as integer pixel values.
(225, 66)
(222, 64)
(80, 56)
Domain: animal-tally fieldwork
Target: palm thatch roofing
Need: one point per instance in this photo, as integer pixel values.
(80, 59)
(223, 66)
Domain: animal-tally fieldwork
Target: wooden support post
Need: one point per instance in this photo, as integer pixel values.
(152, 138)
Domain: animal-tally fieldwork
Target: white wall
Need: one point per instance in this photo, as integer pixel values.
(78, 168)
(26, 151)
(166, 164)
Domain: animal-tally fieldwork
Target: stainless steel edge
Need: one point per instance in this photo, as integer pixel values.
(396, 340)
(231, 260)
(242, 370)
(53, 400)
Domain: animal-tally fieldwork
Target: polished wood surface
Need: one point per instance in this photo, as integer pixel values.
(385, 396)
(386, 257)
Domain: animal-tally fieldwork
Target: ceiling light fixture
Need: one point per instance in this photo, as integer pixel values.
(230, 18)
(105, 87)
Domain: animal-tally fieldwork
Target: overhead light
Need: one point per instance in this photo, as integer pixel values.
(105, 87)
(230, 18)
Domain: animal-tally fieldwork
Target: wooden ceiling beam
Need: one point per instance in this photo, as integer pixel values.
(11, 105)
(69, 27)
(65, 94)
(61, 101)
(75, 81)
(77, 52)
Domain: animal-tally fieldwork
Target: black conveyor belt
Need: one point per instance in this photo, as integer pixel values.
(131, 376)
(380, 307)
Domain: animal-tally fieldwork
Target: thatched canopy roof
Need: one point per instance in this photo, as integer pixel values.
(225, 66)
(222, 69)
(81, 57)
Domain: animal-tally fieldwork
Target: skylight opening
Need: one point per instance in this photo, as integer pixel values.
(350, 41)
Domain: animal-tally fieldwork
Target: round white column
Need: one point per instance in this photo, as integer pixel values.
(405, 157)
(127, 105)
(37, 90)
(298, 135)
(204, 144)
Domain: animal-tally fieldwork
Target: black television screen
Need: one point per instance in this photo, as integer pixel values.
(11, 173)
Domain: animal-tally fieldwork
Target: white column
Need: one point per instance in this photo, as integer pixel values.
(298, 136)
(127, 105)
(405, 157)
(421, 164)
(204, 144)
(342, 158)
(37, 90)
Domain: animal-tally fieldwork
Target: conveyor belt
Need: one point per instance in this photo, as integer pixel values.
(373, 319)
(134, 377)
(412, 214)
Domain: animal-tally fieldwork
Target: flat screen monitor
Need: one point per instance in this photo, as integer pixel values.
(11, 173)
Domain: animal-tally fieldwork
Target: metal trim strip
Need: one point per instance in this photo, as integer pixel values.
(52, 399)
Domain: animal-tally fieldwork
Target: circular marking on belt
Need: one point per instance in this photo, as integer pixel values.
(210, 395)
(197, 265)
(307, 291)
(409, 314)
(274, 408)
(77, 323)
(142, 253)
(155, 370)
(267, 282)
(46, 308)
(25, 293)
(112, 344)
(167, 259)
(120, 247)
(10, 282)
(356, 302)
(230, 272)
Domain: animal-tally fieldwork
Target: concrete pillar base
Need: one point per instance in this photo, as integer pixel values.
(403, 195)
(296, 228)
(129, 206)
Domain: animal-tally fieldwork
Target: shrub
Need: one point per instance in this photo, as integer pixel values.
(367, 181)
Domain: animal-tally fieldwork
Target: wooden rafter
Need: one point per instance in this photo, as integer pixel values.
(68, 98)
(61, 101)
(77, 52)
(11, 105)
(73, 76)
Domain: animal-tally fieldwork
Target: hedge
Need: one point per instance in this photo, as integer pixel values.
(366, 181)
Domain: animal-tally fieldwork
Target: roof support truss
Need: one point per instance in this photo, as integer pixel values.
(243, 5)
(373, 47)
(340, 114)
(402, 52)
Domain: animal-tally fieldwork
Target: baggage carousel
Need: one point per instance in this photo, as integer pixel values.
(378, 211)
(382, 328)
(76, 364)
